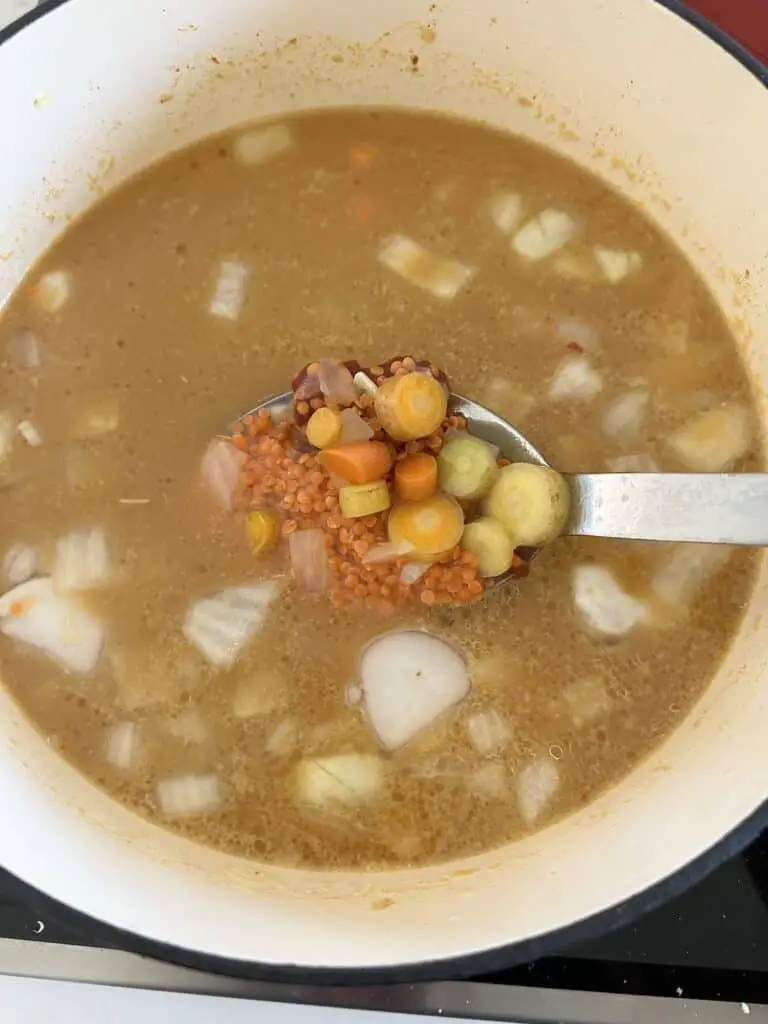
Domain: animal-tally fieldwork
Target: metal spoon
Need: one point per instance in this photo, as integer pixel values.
(709, 508)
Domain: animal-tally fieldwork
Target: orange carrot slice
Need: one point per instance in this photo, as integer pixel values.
(416, 477)
(433, 526)
(358, 463)
(411, 406)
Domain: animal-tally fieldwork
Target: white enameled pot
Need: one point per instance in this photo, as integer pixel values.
(636, 91)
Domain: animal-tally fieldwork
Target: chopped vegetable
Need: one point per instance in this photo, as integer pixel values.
(353, 427)
(229, 293)
(259, 693)
(467, 466)
(682, 575)
(220, 626)
(359, 463)
(122, 744)
(324, 428)
(587, 699)
(24, 349)
(532, 502)
(283, 739)
(549, 231)
(30, 433)
(345, 778)
(416, 477)
(575, 378)
(33, 613)
(506, 210)
(488, 732)
(96, 420)
(309, 560)
(488, 540)
(52, 290)
(433, 526)
(187, 727)
(712, 441)
(490, 781)
(623, 419)
(6, 435)
(616, 264)
(262, 527)
(81, 561)
(537, 784)
(442, 277)
(576, 332)
(633, 464)
(409, 679)
(506, 399)
(606, 609)
(255, 147)
(220, 471)
(336, 383)
(189, 794)
(359, 500)
(413, 571)
(577, 266)
(364, 383)
(386, 552)
(411, 406)
(20, 562)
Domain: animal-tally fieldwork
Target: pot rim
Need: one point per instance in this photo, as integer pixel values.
(488, 961)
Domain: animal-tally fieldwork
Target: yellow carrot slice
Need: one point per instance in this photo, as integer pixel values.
(261, 528)
(367, 499)
(324, 428)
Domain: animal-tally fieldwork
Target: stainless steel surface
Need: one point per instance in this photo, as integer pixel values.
(446, 999)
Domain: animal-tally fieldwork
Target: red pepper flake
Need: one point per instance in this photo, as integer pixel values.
(574, 346)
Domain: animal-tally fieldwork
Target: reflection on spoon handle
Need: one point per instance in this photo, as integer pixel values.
(715, 508)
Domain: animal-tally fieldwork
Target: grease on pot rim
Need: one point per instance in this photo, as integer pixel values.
(280, 640)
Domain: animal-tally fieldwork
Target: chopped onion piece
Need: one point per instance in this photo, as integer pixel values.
(20, 562)
(52, 290)
(506, 210)
(187, 727)
(24, 349)
(344, 778)
(490, 781)
(587, 699)
(616, 264)
(255, 147)
(547, 232)
(229, 294)
(122, 744)
(575, 379)
(713, 440)
(442, 277)
(508, 400)
(353, 427)
(353, 695)
(96, 420)
(81, 561)
(682, 575)
(413, 571)
(56, 625)
(283, 739)
(605, 607)
(488, 732)
(30, 433)
(221, 626)
(6, 435)
(336, 383)
(623, 419)
(579, 333)
(633, 464)
(309, 560)
(536, 786)
(387, 551)
(409, 680)
(189, 794)
(260, 693)
(220, 471)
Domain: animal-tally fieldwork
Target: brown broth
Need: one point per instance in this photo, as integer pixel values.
(136, 334)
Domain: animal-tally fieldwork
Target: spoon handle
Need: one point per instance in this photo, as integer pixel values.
(711, 508)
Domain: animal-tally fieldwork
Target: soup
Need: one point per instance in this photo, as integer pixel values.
(188, 674)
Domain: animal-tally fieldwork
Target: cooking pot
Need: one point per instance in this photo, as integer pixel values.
(672, 114)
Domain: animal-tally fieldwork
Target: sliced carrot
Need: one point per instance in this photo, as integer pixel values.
(416, 477)
(433, 526)
(358, 463)
(411, 406)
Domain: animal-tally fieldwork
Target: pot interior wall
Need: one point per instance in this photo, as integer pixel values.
(92, 92)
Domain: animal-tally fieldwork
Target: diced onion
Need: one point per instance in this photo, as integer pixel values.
(413, 571)
(508, 400)
(623, 419)
(187, 727)
(616, 264)
(52, 290)
(604, 606)
(633, 464)
(220, 471)
(409, 679)
(20, 562)
(344, 778)
(712, 441)
(30, 433)
(683, 573)
(387, 551)
(506, 210)
(229, 294)
(189, 794)
(309, 560)
(96, 420)
(336, 383)
(547, 232)
(488, 732)
(581, 334)
(442, 277)
(34, 614)
(24, 349)
(587, 699)
(536, 786)
(259, 693)
(81, 561)
(122, 744)
(575, 379)
(221, 626)
(6, 435)
(255, 147)
(490, 781)
(353, 427)
(283, 739)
